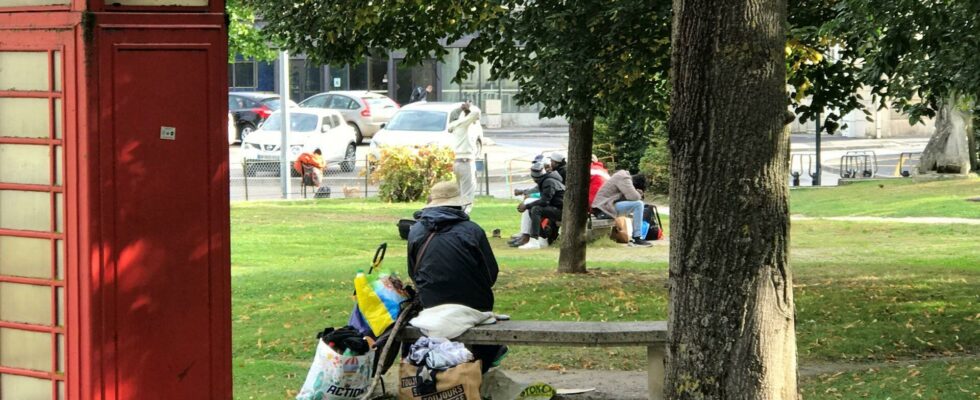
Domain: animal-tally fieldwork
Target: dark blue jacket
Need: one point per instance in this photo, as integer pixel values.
(552, 191)
(458, 266)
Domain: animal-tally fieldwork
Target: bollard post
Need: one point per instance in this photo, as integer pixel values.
(245, 175)
(367, 174)
(816, 180)
(486, 173)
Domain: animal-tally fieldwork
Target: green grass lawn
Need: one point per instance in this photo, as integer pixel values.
(953, 379)
(866, 292)
(891, 198)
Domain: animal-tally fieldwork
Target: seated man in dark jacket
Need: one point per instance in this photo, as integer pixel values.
(549, 205)
(450, 259)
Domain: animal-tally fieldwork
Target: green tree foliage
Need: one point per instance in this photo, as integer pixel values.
(243, 37)
(655, 162)
(904, 51)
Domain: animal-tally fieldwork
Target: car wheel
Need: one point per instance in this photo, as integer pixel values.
(349, 158)
(357, 133)
(246, 130)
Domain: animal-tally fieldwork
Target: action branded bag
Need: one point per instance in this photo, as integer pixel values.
(335, 376)
(461, 382)
(620, 231)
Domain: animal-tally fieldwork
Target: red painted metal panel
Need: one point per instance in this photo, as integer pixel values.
(161, 290)
(165, 278)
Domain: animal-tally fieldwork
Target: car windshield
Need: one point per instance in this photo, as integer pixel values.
(418, 120)
(298, 122)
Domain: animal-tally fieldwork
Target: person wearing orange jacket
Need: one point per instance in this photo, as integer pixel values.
(310, 167)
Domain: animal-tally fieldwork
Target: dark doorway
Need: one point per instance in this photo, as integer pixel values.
(413, 76)
(305, 79)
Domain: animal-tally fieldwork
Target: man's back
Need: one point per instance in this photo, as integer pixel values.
(457, 266)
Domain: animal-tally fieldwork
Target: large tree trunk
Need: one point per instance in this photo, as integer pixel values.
(731, 332)
(574, 216)
(948, 150)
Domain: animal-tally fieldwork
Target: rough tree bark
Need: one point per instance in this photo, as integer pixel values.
(575, 213)
(948, 150)
(731, 318)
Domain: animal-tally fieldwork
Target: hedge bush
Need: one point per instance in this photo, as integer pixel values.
(406, 174)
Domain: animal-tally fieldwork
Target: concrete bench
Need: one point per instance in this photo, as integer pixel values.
(600, 228)
(652, 335)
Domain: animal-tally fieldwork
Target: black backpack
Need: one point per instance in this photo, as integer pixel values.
(652, 217)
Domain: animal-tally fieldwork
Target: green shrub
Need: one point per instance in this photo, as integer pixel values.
(407, 174)
(603, 145)
(655, 164)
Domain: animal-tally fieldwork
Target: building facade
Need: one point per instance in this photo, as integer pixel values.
(389, 74)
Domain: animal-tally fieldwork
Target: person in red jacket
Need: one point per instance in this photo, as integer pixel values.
(310, 167)
(597, 176)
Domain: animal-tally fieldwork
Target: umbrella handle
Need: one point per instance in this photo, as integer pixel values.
(379, 256)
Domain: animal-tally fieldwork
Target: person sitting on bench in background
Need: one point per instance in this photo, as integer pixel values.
(549, 205)
(622, 194)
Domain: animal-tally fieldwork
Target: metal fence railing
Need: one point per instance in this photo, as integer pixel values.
(260, 179)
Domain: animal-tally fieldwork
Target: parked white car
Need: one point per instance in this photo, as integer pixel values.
(310, 129)
(421, 124)
(232, 132)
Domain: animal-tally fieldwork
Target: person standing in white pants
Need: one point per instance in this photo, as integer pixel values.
(464, 145)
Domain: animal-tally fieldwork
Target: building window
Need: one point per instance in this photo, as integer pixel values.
(242, 74)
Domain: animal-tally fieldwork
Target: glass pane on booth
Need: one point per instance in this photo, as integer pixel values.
(24, 117)
(25, 257)
(59, 201)
(25, 210)
(61, 353)
(60, 267)
(23, 70)
(58, 174)
(26, 350)
(58, 118)
(24, 388)
(23, 163)
(29, 304)
(56, 70)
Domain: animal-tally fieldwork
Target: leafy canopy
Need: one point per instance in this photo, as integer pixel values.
(911, 54)
(579, 59)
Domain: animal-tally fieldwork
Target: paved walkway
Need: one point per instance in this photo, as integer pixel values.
(664, 210)
(630, 385)
(902, 220)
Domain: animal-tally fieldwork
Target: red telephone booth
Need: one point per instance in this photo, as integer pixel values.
(114, 238)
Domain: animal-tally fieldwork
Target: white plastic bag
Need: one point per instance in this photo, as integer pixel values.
(336, 377)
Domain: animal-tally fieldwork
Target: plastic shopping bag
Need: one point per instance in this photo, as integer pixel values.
(379, 299)
(335, 376)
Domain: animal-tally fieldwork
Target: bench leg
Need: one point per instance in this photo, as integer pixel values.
(655, 372)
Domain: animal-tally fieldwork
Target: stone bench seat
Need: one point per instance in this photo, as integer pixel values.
(650, 334)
